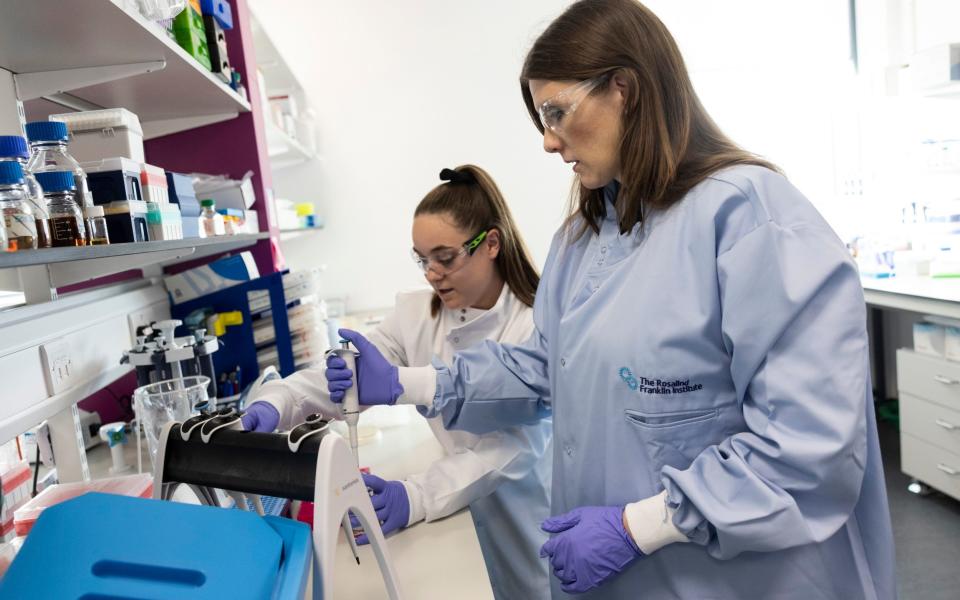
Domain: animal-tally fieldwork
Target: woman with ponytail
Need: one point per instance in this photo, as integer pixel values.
(482, 288)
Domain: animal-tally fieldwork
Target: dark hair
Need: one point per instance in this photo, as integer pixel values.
(475, 204)
(670, 143)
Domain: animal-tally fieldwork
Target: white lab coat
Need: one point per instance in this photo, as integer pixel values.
(503, 476)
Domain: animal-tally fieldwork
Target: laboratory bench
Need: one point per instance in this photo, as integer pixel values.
(440, 559)
(928, 387)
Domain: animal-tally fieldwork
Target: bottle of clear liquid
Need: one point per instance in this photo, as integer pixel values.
(17, 217)
(96, 226)
(66, 220)
(211, 222)
(14, 148)
(48, 146)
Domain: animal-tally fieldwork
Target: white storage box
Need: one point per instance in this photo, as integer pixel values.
(227, 193)
(951, 343)
(929, 338)
(153, 181)
(98, 134)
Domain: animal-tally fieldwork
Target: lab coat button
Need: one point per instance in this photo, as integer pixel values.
(603, 249)
(456, 340)
(563, 362)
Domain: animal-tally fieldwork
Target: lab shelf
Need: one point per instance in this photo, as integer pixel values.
(82, 45)
(293, 233)
(189, 248)
(66, 266)
(278, 76)
(285, 151)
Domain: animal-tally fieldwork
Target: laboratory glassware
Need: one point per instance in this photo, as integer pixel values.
(211, 222)
(14, 148)
(48, 145)
(166, 401)
(66, 220)
(96, 226)
(17, 217)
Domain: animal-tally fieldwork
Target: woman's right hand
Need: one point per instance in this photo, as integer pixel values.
(378, 381)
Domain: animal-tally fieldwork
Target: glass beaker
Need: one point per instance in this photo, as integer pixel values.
(160, 403)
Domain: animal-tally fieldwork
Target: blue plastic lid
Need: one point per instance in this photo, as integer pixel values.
(47, 131)
(10, 173)
(13, 145)
(219, 10)
(56, 181)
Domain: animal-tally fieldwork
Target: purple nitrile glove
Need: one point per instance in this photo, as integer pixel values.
(591, 546)
(260, 416)
(378, 380)
(391, 503)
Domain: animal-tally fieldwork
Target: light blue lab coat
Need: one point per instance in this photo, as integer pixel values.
(718, 352)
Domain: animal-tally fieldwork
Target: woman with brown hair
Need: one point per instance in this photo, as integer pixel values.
(700, 342)
(482, 288)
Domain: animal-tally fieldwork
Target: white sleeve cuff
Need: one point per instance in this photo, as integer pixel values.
(415, 496)
(419, 385)
(650, 522)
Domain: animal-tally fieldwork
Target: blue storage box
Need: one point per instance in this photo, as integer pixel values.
(107, 546)
(181, 192)
(219, 10)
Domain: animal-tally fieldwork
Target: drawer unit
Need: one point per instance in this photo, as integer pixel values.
(931, 422)
(929, 378)
(930, 464)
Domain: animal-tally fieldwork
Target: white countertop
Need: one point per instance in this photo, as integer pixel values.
(940, 297)
(441, 559)
(436, 560)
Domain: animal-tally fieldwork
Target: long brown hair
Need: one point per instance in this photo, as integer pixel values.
(670, 143)
(476, 205)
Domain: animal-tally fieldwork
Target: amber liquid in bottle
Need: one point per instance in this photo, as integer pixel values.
(43, 233)
(65, 232)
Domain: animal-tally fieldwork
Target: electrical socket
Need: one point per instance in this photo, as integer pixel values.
(58, 367)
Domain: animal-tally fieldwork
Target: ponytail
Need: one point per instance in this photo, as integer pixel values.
(474, 202)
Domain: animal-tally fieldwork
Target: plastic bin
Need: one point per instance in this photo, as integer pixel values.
(108, 546)
(140, 485)
(99, 134)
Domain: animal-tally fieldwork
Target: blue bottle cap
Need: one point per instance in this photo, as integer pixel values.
(10, 173)
(56, 181)
(13, 145)
(47, 131)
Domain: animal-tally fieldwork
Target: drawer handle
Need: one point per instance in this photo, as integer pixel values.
(947, 470)
(946, 424)
(945, 380)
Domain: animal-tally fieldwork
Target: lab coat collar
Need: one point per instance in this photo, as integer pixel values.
(476, 317)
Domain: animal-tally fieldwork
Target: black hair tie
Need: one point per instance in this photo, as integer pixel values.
(456, 176)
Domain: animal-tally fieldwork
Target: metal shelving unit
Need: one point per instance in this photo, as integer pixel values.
(46, 46)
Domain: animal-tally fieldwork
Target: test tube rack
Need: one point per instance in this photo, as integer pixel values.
(208, 452)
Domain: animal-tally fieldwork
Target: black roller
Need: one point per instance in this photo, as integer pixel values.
(244, 461)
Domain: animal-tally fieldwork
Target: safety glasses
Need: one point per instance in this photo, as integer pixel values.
(445, 262)
(558, 109)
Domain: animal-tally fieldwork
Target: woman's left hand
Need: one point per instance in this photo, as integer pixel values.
(591, 546)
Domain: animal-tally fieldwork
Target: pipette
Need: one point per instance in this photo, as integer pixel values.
(350, 409)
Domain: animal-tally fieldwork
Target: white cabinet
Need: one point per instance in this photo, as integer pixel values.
(930, 420)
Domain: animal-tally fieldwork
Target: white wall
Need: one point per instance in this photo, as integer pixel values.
(402, 89)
